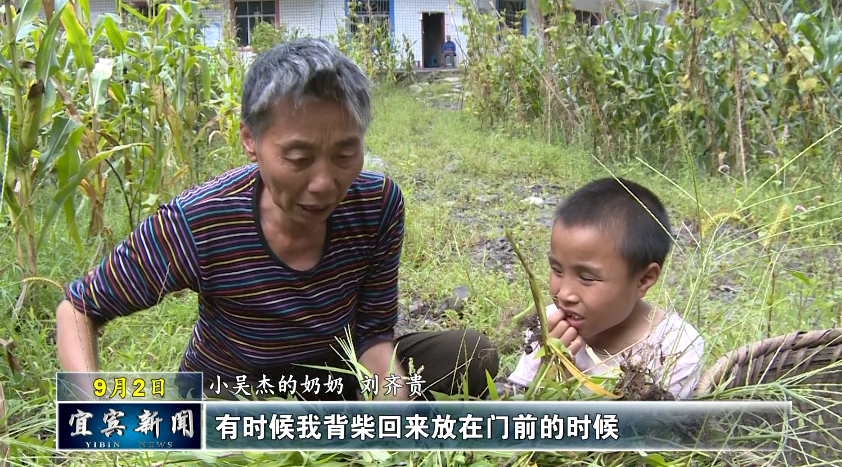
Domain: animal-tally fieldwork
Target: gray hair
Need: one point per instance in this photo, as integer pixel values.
(303, 67)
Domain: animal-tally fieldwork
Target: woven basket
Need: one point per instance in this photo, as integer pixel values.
(811, 362)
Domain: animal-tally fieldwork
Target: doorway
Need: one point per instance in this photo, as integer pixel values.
(432, 38)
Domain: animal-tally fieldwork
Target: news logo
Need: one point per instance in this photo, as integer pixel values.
(129, 412)
(167, 412)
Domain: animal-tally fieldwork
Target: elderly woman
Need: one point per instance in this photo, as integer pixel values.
(285, 253)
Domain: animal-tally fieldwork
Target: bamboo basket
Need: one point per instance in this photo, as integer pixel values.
(811, 364)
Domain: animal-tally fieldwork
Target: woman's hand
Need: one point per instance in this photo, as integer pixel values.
(378, 359)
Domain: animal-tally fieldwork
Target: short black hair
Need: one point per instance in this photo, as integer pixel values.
(615, 205)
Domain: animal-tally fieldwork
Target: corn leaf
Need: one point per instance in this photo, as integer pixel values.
(77, 39)
(73, 183)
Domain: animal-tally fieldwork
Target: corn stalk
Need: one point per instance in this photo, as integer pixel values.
(643, 85)
(29, 159)
(31, 156)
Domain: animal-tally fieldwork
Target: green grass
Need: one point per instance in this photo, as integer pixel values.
(463, 185)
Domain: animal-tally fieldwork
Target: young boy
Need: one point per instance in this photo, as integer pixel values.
(606, 252)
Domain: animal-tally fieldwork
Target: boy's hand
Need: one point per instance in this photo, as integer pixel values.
(561, 330)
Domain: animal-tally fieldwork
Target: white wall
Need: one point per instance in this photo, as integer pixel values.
(297, 14)
(315, 17)
(408, 21)
(318, 18)
(97, 7)
(329, 15)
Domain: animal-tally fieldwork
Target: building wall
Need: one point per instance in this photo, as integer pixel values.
(329, 15)
(97, 7)
(318, 18)
(315, 17)
(297, 14)
(321, 18)
(408, 21)
(216, 19)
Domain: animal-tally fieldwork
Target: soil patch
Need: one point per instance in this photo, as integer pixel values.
(418, 316)
(422, 315)
(496, 255)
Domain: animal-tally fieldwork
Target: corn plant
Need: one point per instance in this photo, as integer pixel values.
(168, 97)
(369, 43)
(503, 70)
(265, 35)
(130, 92)
(43, 131)
(726, 77)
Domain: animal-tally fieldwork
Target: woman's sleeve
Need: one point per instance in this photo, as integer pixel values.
(378, 300)
(158, 257)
